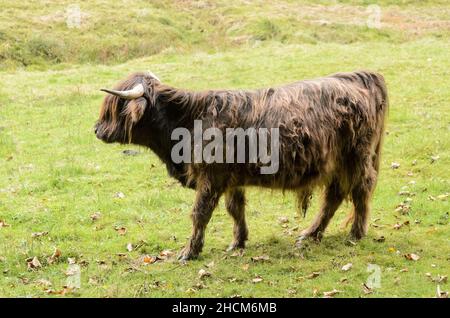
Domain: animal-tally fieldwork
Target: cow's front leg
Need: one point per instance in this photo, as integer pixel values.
(205, 202)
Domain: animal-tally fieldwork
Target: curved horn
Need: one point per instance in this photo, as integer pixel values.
(154, 76)
(133, 93)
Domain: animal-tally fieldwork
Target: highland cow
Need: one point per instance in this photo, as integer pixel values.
(330, 136)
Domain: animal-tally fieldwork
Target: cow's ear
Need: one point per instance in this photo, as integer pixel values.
(136, 108)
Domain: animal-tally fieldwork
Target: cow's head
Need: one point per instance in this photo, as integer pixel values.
(125, 108)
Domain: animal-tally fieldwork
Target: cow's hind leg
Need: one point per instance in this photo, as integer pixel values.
(361, 195)
(333, 198)
(235, 204)
(205, 202)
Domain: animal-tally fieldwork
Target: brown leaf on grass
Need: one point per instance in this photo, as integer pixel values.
(366, 289)
(121, 256)
(395, 165)
(441, 279)
(203, 273)
(442, 197)
(283, 219)
(403, 208)
(380, 239)
(257, 279)
(121, 230)
(438, 279)
(332, 293)
(166, 254)
(343, 280)
(312, 275)
(3, 224)
(148, 259)
(95, 216)
(44, 283)
(404, 270)
(261, 258)
(440, 293)
(38, 234)
(210, 264)
(347, 267)
(412, 257)
(33, 263)
(245, 267)
(55, 256)
(62, 292)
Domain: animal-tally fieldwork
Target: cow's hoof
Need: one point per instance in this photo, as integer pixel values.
(236, 246)
(303, 241)
(186, 255)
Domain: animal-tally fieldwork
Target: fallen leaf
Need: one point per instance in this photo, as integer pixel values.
(129, 247)
(54, 257)
(403, 208)
(412, 257)
(379, 239)
(95, 216)
(34, 263)
(343, 280)
(260, 258)
(119, 195)
(39, 234)
(44, 283)
(283, 219)
(329, 294)
(62, 292)
(441, 294)
(443, 196)
(3, 224)
(403, 270)
(434, 158)
(395, 165)
(203, 273)
(312, 275)
(147, 259)
(71, 260)
(121, 256)
(366, 289)
(166, 254)
(347, 267)
(257, 279)
(210, 264)
(121, 230)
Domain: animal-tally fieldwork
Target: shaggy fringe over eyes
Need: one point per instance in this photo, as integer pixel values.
(119, 114)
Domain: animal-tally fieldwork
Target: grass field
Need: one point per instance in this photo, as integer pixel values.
(110, 214)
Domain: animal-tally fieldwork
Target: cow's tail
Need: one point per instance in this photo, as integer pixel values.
(382, 99)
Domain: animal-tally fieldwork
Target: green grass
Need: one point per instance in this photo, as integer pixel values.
(54, 174)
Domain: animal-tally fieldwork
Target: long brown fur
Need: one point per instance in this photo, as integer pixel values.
(331, 133)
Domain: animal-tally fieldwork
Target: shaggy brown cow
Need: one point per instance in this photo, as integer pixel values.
(330, 132)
